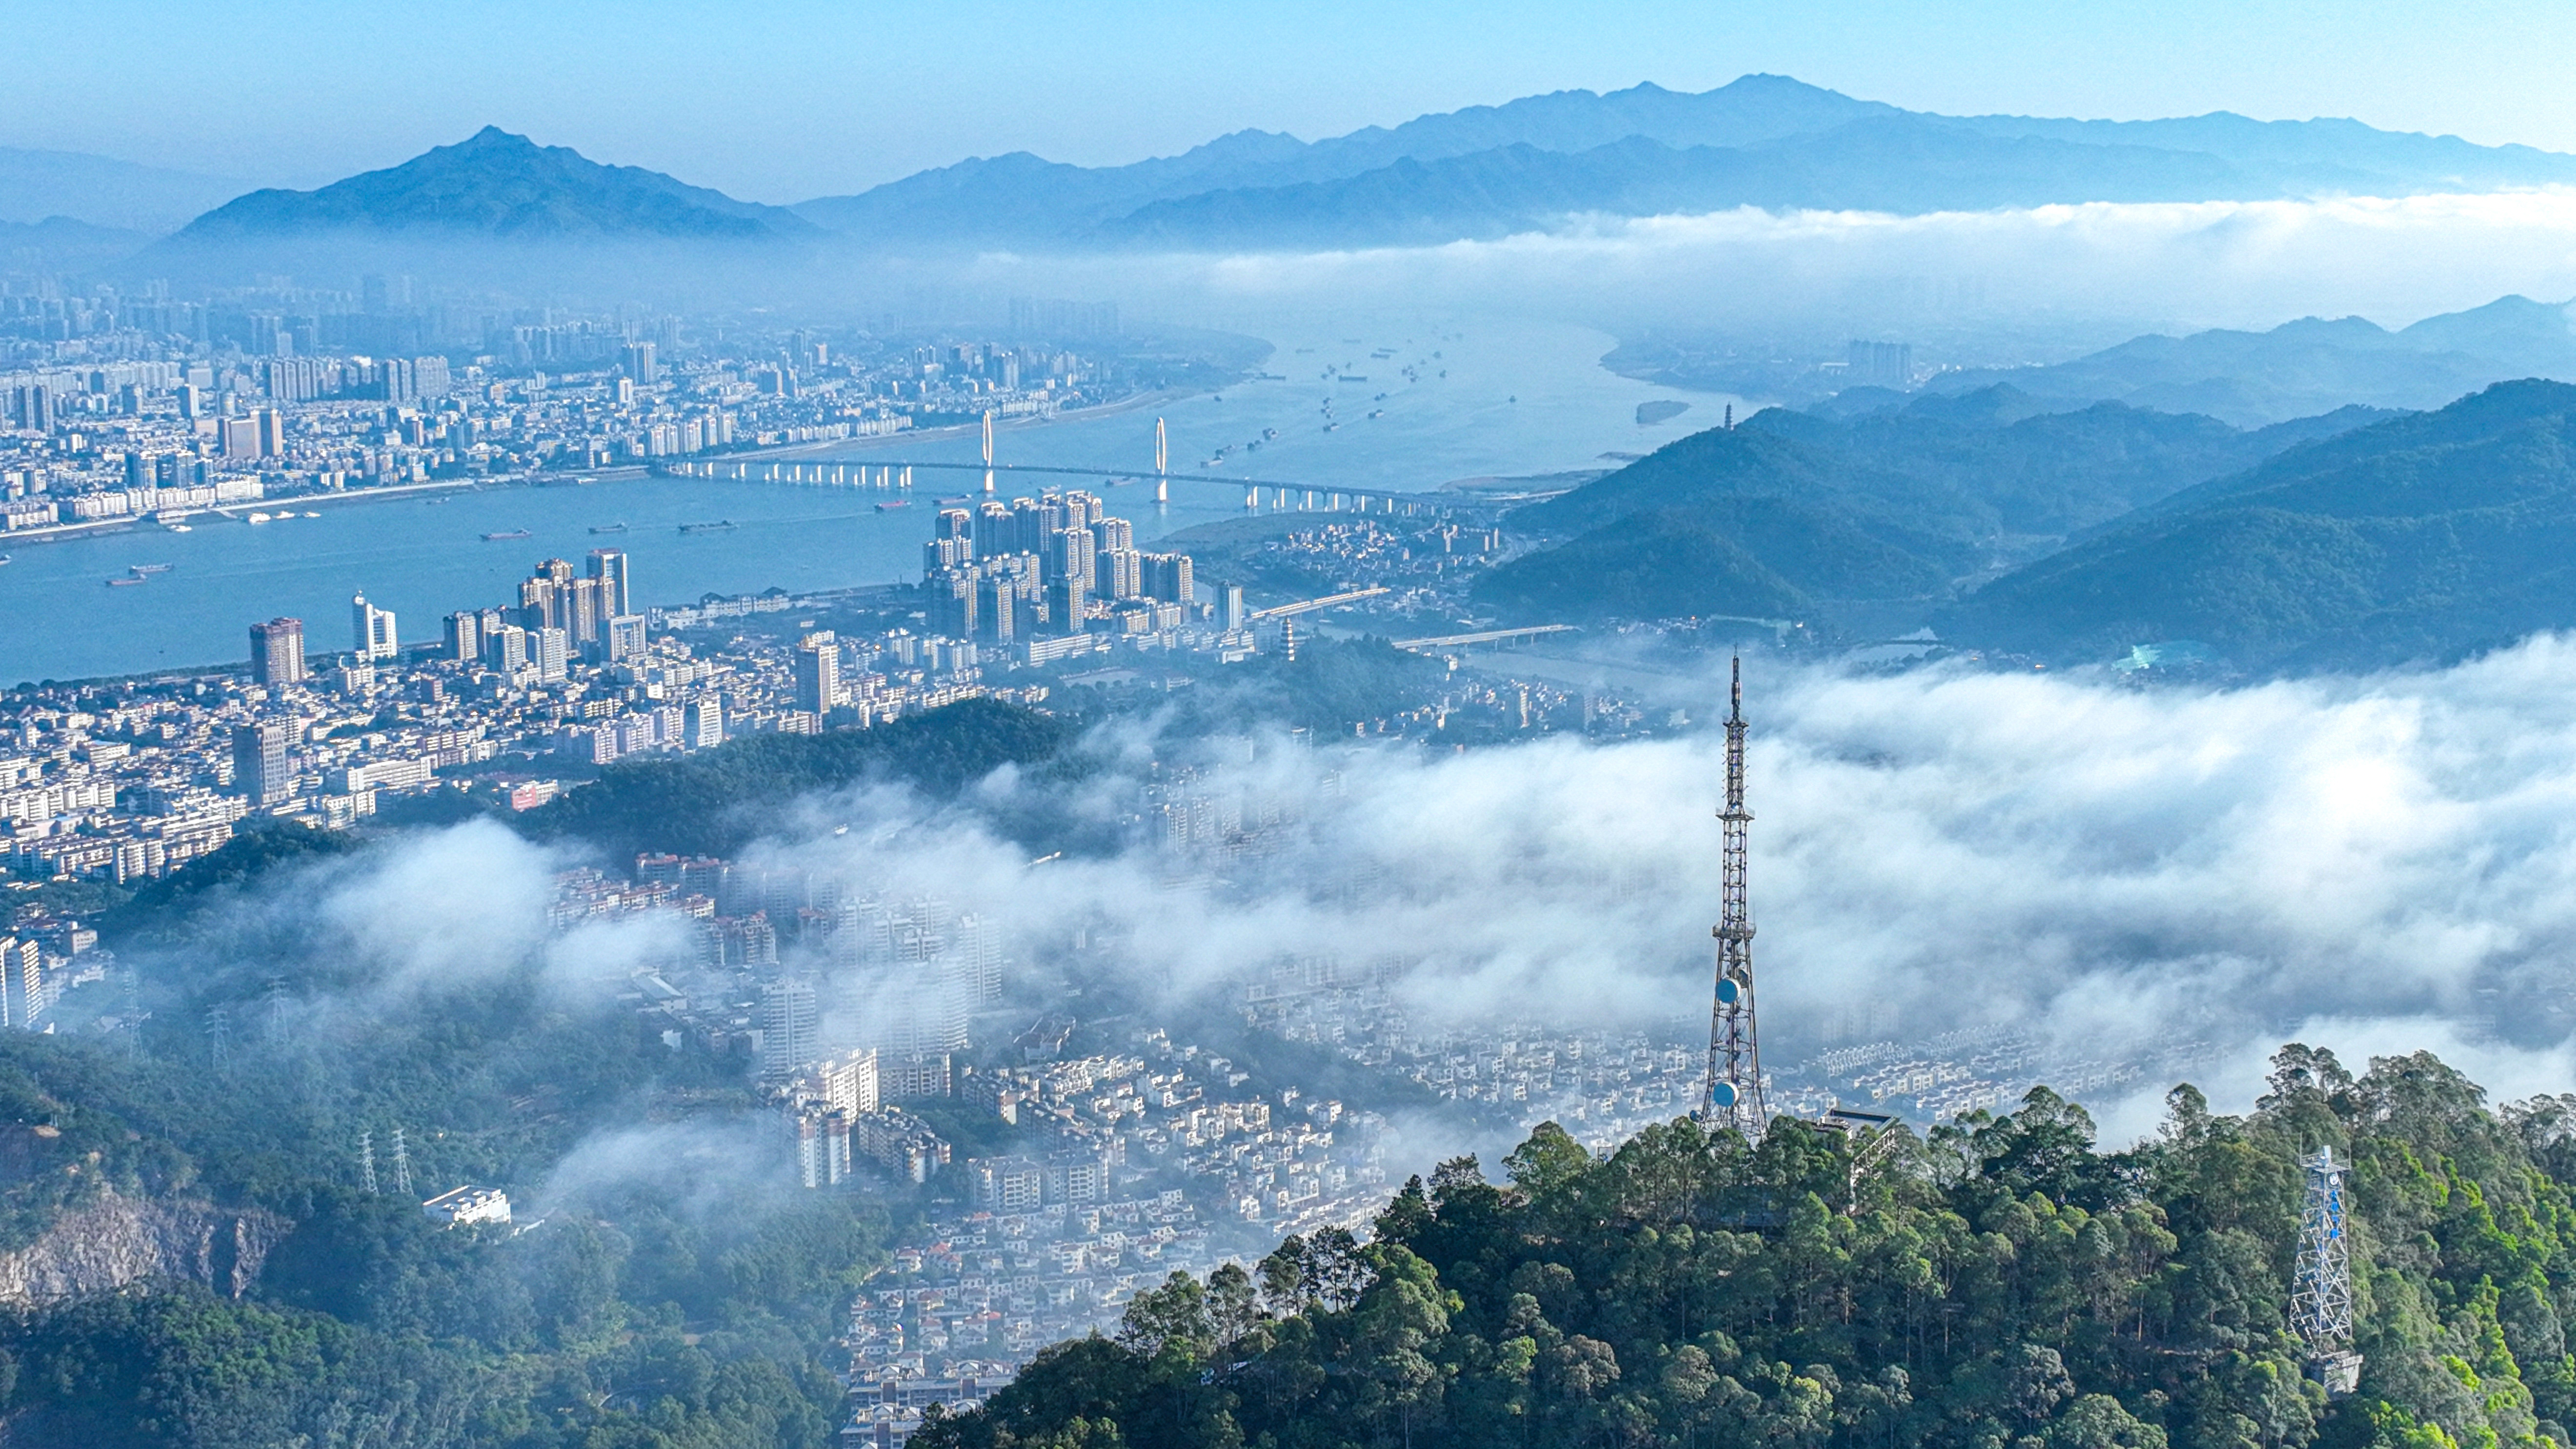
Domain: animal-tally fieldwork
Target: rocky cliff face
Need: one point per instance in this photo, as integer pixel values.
(115, 1240)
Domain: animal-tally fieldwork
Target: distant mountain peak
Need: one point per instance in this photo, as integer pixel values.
(1753, 81)
(498, 183)
(492, 141)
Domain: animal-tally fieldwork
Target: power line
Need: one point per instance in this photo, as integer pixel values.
(402, 1165)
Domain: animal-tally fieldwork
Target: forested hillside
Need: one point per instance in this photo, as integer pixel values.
(2356, 539)
(1794, 513)
(683, 1306)
(1999, 1283)
(2416, 538)
(715, 801)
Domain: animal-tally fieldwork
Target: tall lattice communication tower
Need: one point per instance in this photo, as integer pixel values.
(2321, 1295)
(1732, 1096)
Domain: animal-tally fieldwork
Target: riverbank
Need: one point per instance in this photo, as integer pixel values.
(100, 527)
(1515, 402)
(239, 512)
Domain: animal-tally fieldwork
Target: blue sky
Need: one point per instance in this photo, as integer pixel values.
(805, 97)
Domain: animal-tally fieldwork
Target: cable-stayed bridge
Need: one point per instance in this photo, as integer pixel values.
(893, 475)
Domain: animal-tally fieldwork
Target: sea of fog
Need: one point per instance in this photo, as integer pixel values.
(1518, 397)
(2376, 865)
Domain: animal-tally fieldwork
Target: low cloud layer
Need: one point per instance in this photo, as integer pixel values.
(2376, 864)
(2028, 272)
(2372, 863)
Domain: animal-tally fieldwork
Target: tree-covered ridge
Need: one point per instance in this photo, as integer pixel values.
(1792, 514)
(1996, 1283)
(716, 801)
(2421, 537)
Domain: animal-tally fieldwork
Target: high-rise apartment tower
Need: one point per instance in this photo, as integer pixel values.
(277, 652)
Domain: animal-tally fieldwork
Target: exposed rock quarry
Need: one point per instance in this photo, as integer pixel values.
(115, 1240)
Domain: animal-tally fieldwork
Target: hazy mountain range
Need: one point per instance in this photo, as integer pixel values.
(2250, 379)
(2307, 366)
(101, 192)
(59, 243)
(1764, 141)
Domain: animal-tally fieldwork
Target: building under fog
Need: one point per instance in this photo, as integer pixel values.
(790, 1027)
(921, 969)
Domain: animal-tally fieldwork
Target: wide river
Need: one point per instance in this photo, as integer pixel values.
(1517, 398)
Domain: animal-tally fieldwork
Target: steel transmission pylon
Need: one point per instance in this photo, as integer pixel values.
(1162, 464)
(367, 1163)
(1732, 1095)
(2321, 1294)
(988, 450)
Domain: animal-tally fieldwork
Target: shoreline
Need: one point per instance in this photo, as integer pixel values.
(621, 472)
(238, 512)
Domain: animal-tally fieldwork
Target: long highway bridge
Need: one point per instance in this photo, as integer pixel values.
(894, 475)
(1483, 636)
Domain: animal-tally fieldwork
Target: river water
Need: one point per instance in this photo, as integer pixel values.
(1517, 399)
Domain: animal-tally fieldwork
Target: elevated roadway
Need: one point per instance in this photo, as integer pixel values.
(1308, 606)
(1483, 636)
(884, 474)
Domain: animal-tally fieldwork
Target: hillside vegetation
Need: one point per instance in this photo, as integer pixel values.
(2416, 538)
(2001, 1283)
(638, 1314)
(715, 801)
(1792, 514)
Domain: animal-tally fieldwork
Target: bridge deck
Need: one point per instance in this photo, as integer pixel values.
(812, 468)
(1487, 636)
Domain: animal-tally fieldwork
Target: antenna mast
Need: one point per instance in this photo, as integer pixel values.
(1732, 1096)
(2321, 1296)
